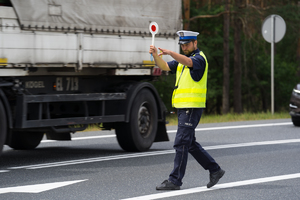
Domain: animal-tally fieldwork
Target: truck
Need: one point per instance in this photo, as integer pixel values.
(65, 64)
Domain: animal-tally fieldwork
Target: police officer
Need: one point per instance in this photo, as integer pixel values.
(189, 97)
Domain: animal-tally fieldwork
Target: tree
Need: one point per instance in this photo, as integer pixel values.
(186, 7)
(226, 73)
(237, 83)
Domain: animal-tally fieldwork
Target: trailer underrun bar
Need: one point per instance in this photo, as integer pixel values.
(43, 101)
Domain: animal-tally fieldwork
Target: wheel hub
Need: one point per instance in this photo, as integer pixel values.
(144, 121)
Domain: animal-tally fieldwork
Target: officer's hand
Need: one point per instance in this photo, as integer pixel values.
(164, 52)
(153, 50)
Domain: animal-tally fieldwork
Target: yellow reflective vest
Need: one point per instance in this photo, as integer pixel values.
(189, 93)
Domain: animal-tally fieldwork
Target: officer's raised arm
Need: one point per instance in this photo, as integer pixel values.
(163, 65)
(178, 57)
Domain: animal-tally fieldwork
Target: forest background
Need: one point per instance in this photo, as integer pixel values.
(239, 75)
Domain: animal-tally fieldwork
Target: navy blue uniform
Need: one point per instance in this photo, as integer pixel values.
(198, 68)
(188, 119)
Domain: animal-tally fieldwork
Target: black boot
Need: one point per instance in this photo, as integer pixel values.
(167, 185)
(215, 177)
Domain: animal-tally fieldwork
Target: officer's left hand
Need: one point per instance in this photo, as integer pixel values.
(164, 52)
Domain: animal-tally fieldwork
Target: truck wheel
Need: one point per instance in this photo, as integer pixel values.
(25, 141)
(140, 132)
(296, 121)
(3, 126)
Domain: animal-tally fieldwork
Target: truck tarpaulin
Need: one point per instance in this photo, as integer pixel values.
(100, 15)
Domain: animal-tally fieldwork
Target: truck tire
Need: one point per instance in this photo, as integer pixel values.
(24, 140)
(3, 126)
(296, 121)
(139, 133)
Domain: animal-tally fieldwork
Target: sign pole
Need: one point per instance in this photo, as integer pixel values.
(272, 61)
(273, 30)
(153, 36)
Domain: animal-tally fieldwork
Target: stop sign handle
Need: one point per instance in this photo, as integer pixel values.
(153, 27)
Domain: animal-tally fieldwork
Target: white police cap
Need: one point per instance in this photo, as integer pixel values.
(186, 36)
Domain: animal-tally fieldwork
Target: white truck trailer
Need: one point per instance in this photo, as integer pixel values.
(65, 64)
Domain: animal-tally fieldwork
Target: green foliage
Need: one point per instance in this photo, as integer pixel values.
(164, 86)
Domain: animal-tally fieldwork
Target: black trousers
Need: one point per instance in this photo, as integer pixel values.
(185, 142)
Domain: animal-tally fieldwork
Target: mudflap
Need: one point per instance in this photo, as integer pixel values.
(161, 134)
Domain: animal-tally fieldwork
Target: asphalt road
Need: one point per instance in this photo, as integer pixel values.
(261, 160)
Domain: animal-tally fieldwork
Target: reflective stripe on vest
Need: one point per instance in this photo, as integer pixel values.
(189, 93)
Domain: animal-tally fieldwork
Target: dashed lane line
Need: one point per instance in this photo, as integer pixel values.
(83, 138)
(238, 126)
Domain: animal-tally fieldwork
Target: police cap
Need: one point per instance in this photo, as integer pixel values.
(186, 36)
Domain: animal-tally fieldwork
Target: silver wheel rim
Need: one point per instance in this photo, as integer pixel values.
(144, 120)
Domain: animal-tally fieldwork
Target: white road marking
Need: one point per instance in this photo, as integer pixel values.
(217, 187)
(83, 138)
(174, 131)
(250, 144)
(38, 187)
(3, 171)
(239, 126)
(97, 159)
(153, 153)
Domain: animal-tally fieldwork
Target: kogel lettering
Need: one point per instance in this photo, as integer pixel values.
(34, 84)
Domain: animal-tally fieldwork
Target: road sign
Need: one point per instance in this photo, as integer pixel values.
(273, 30)
(153, 27)
(279, 28)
